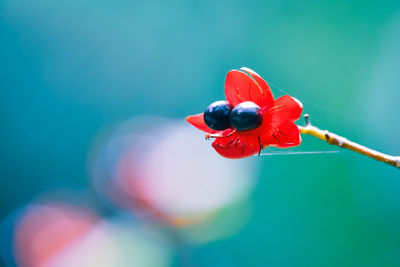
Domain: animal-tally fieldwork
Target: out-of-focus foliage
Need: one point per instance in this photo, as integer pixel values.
(72, 72)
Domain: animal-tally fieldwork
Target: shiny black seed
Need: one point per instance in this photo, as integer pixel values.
(216, 115)
(246, 116)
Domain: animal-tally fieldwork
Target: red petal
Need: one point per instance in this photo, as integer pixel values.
(236, 146)
(198, 122)
(267, 94)
(240, 87)
(286, 108)
(286, 135)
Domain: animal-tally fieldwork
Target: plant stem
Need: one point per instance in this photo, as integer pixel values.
(342, 142)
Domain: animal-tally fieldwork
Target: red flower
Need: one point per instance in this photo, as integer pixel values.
(277, 129)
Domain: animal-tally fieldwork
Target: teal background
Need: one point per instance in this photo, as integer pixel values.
(70, 69)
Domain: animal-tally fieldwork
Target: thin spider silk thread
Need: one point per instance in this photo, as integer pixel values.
(299, 153)
(274, 86)
(291, 152)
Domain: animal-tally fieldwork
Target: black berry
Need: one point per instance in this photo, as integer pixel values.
(246, 116)
(217, 115)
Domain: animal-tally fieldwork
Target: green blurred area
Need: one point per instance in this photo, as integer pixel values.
(70, 69)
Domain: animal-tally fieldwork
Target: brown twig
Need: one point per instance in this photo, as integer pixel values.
(342, 142)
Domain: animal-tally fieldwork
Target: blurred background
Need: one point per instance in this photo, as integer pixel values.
(99, 168)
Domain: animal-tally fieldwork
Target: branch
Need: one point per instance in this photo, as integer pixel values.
(342, 142)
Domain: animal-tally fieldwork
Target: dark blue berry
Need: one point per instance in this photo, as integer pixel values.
(217, 115)
(246, 116)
